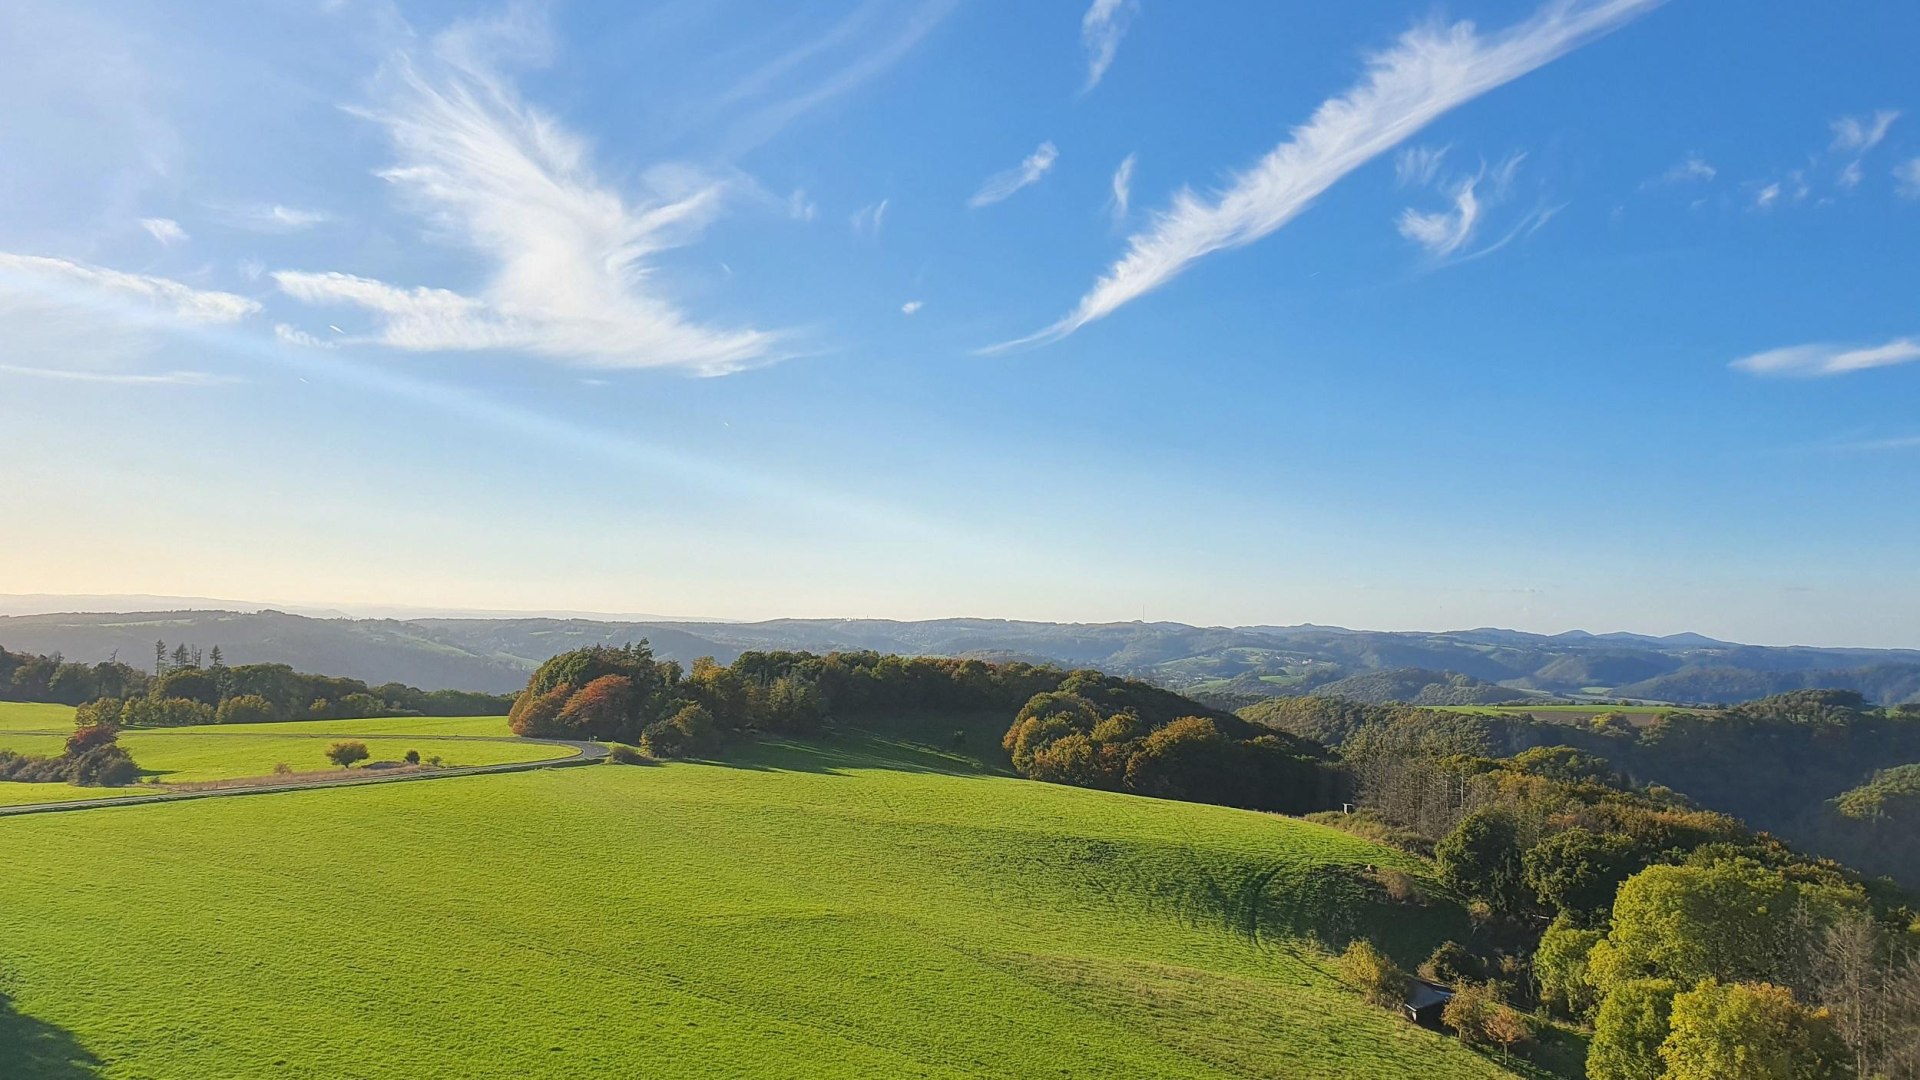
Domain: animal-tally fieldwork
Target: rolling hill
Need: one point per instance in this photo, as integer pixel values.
(859, 908)
(495, 654)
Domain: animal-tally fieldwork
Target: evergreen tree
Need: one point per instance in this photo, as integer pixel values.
(159, 658)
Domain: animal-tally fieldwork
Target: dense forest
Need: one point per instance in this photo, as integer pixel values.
(1674, 932)
(186, 686)
(1787, 763)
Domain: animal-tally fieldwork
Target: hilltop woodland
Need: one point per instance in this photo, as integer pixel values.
(1078, 727)
(189, 687)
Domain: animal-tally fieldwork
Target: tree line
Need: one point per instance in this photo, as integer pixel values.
(187, 687)
(1073, 727)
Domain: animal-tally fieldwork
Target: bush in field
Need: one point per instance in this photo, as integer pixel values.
(282, 769)
(344, 754)
(103, 766)
(690, 732)
(622, 754)
(1451, 965)
(1470, 1011)
(412, 757)
(1372, 972)
(89, 736)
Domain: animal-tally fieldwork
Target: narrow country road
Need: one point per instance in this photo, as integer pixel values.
(584, 753)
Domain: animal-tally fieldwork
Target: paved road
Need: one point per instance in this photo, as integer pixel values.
(584, 753)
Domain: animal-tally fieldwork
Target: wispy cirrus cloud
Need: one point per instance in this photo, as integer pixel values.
(1101, 29)
(868, 220)
(1002, 185)
(1692, 169)
(1858, 134)
(827, 66)
(273, 218)
(1826, 358)
(912, 306)
(1418, 166)
(572, 271)
(138, 296)
(1446, 234)
(1429, 71)
(1443, 232)
(1871, 446)
(164, 230)
(1906, 178)
(83, 323)
(1121, 200)
(122, 378)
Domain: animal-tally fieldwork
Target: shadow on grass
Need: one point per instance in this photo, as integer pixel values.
(32, 1049)
(836, 752)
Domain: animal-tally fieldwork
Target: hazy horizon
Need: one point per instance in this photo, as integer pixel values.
(16, 604)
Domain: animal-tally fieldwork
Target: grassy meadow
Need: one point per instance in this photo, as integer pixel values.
(35, 716)
(1637, 715)
(862, 908)
(181, 756)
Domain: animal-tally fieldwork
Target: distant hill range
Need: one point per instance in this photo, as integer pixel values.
(1223, 665)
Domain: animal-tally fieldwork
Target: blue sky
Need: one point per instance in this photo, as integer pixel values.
(1594, 314)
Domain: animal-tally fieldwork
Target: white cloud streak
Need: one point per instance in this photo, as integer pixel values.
(1101, 29)
(1418, 166)
(867, 220)
(1122, 200)
(170, 378)
(1694, 169)
(1906, 178)
(784, 100)
(1429, 71)
(139, 294)
(1823, 359)
(274, 218)
(1444, 232)
(1002, 185)
(1859, 134)
(165, 230)
(912, 306)
(571, 274)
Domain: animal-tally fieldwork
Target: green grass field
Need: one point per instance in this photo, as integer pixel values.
(1638, 715)
(848, 910)
(184, 757)
(382, 725)
(35, 716)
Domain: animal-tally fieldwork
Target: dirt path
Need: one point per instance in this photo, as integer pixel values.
(584, 753)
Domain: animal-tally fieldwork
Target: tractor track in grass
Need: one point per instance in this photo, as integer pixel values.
(584, 753)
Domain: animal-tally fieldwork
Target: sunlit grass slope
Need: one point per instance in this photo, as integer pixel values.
(379, 725)
(34, 716)
(180, 756)
(839, 911)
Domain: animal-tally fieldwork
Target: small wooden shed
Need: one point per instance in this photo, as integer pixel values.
(1425, 1001)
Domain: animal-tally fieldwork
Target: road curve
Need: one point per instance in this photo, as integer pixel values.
(584, 753)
